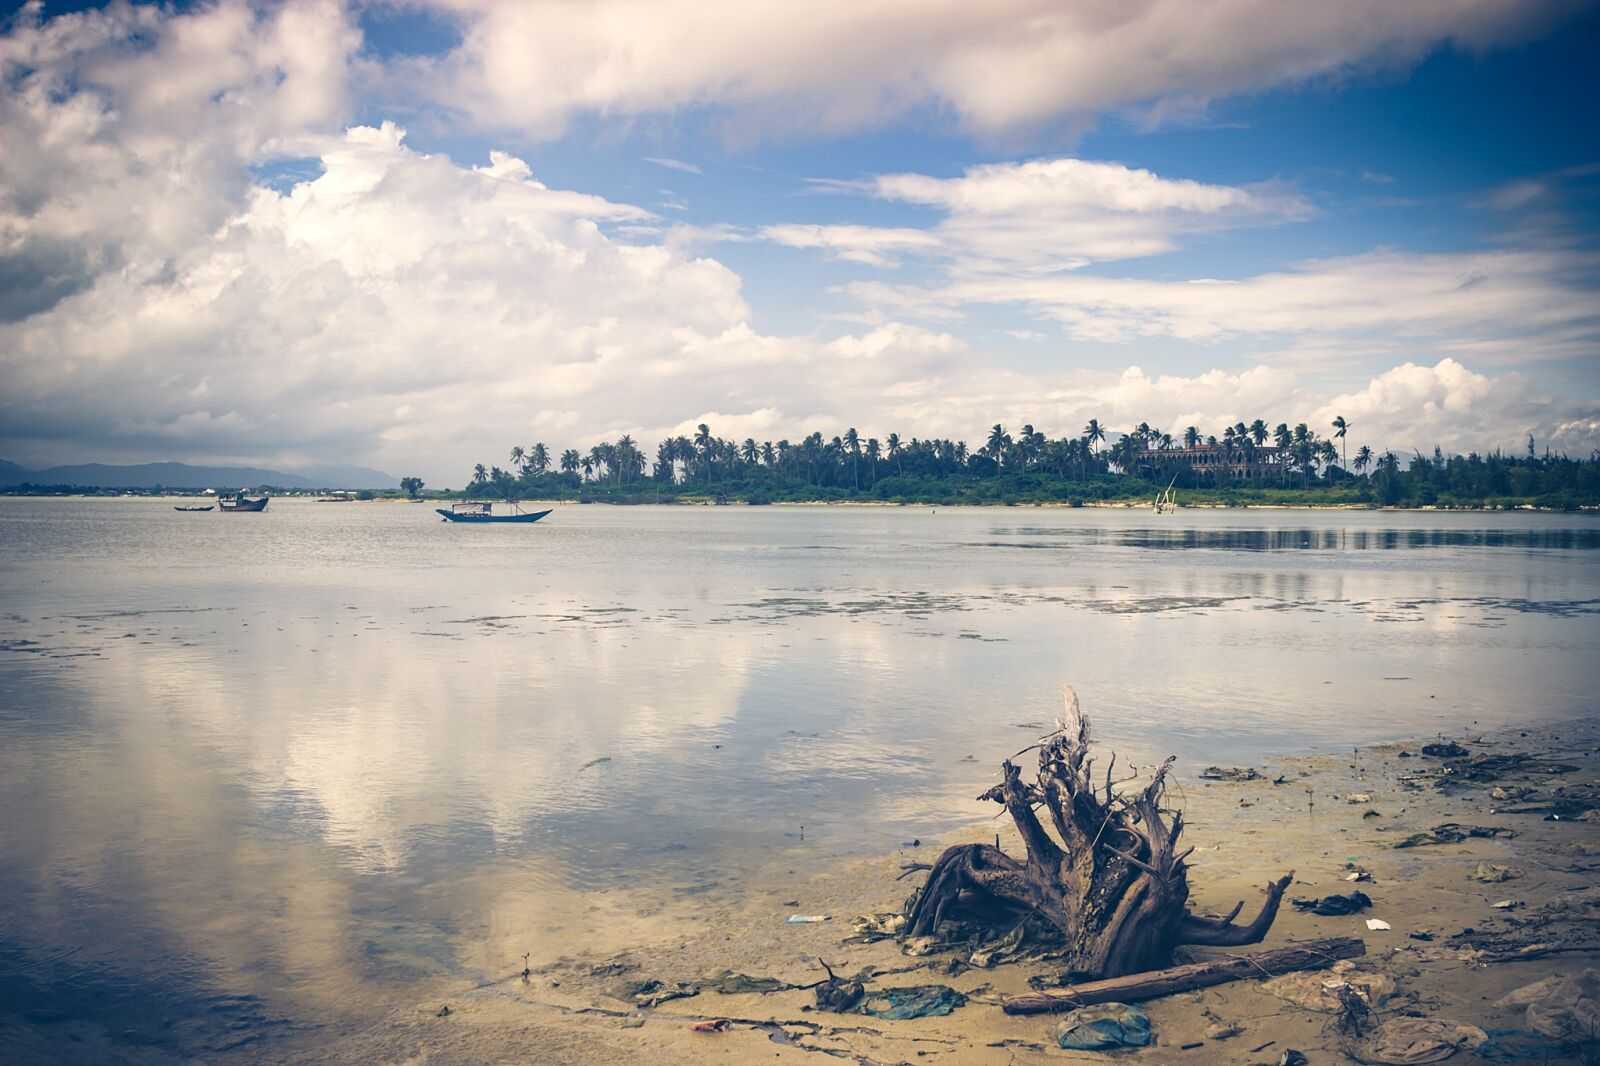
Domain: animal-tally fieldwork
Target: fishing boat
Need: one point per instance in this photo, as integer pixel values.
(1165, 500)
(207, 507)
(241, 503)
(484, 512)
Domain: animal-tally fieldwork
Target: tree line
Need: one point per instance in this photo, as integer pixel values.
(1249, 461)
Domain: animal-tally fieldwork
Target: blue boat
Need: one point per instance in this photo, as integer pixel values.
(484, 512)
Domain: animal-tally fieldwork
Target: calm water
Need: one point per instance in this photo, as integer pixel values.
(266, 775)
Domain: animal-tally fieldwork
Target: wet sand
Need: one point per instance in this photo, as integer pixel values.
(1245, 834)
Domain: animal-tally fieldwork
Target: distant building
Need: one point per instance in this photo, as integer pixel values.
(1241, 462)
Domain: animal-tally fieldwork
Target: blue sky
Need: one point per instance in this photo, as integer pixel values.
(911, 217)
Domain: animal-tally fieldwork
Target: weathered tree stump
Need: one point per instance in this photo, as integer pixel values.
(1114, 885)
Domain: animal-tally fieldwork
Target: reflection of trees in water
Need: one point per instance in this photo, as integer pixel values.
(1309, 539)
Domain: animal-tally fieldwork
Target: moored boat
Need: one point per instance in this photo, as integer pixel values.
(241, 503)
(207, 507)
(478, 511)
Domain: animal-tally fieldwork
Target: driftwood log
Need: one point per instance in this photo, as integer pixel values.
(1310, 955)
(1111, 882)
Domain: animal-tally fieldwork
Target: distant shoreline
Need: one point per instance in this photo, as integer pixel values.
(1053, 505)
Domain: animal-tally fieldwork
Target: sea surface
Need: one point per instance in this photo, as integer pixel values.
(265, 777)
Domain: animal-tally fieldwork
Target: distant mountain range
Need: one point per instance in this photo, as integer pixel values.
(184, 476)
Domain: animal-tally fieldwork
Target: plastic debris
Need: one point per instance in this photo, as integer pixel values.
(1293, 1057)
(1490, 873)
(1104, 1027)
(1453, 833)
(729, 983)
(1335, 905)
(1229, 773)
(912, 1001)
(1320, 991)
(996, 950)
(1516, 1045)
(1507, 904)
(712, 1025)
(838, 994)
(1223, 1030)
(870, 928)
(1410, 1041)
(1377, 923)
(1359, 797)
(806, 919)
(650, 992)
(1560, 1007)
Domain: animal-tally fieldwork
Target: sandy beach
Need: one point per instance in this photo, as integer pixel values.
(1449, 953)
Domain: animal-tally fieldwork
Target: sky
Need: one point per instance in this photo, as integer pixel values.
(412, 235)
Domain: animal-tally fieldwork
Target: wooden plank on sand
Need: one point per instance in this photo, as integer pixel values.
(1309, 955)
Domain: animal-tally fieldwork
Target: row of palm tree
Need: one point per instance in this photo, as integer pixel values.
(856, 462)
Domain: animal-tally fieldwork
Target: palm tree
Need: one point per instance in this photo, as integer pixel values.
(999, 441)
(587, 464)
(539, 458)
(1094, 433)
(748, 451)
(625, 457)
(1340, 427)
(501, 481)
(518, 457)
(874, 449)
(704, 442)
(1363, 458)
(852, 445)
(480, 474)
(768, 456)
(894, 452)
(1191, 437)
(1258, 431)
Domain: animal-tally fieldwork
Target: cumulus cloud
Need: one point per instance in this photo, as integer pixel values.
(826, 66)
(1415, 408)
(171, 292)
(129, 131)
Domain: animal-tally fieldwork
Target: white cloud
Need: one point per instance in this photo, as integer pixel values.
(128, 130)
(1513, 299)
(1044, 215)
(825, 66)
(401, 309)
(673, 164)
(871, 245)
(1414, 408)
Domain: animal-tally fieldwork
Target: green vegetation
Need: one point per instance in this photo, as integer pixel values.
(412, 486)
(1246, 465)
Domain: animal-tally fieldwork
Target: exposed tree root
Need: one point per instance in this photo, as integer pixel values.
(1111, 881)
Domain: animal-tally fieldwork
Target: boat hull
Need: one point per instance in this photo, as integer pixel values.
(191, 508)
(244, 505)
(480, 519)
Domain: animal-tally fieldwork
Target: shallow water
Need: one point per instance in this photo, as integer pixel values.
(267, 776)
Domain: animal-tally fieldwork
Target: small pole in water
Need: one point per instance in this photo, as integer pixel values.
(802, 832)
(525, 970)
